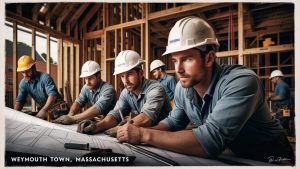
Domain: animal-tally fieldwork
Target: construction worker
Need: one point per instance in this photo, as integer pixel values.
(158, 70)
(225, 103)
(144, 98)
(40, 86)
(100, 94)
(281, 98)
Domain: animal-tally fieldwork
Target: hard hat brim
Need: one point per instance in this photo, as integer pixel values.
(88, 74)
(183, 48)
(25, 68)
(128, 68)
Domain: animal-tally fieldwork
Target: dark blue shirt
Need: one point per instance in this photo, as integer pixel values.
(38, 88)
(283, 91)
(169, 83)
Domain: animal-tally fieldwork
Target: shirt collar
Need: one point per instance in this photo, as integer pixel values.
(99, 88)
(36, 78)
(144, 86)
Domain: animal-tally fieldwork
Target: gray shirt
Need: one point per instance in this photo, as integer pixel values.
(103, 99)
(152, 101)
(233, 112)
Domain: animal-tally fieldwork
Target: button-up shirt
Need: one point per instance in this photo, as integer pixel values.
(39, 88)
(152, 101)
(169, 83)
(103, 98)
(233, 112)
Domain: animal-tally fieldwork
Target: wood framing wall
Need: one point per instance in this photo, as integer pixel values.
(99, 31)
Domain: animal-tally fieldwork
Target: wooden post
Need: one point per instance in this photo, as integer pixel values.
(14, 60)
(240, 33)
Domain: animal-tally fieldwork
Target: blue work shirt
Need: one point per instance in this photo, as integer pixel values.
(103, 99)
(283, 91)
(38, 88)
(169, 83)
(233, 112)
(152, 101)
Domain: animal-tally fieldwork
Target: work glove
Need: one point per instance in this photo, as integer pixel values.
(112, 132)
(66, 119)
(87, 127)
(42, 114)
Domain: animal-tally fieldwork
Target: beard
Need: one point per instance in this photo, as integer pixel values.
(188, 81)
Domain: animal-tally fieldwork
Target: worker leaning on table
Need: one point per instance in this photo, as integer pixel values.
(226, 103)
(145, 98)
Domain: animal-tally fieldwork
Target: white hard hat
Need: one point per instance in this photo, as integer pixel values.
(276, 73)
(190, 32)
(127, 60)
(89, 68)
(156, 64)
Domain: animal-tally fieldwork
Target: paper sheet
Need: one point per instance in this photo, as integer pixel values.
(25, 133)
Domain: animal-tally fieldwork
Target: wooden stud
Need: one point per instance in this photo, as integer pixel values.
(48, 65)
(240, 33)
(14, 60)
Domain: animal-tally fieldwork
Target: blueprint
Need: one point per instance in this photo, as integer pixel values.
(25, 133)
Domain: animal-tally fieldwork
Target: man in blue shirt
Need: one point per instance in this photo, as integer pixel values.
(158, 70)
(145, 98)
(40, 86)
(225, 103)
(281, 97)
(100, 94)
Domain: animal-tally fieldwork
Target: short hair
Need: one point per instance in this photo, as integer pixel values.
(203, 50)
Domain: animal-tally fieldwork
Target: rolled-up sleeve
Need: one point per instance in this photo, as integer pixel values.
(239, 98)
(82, 99)
(105, 101)
(177, 119)
(22, 93)
(122, 105)
(50, 87)
(155, 99)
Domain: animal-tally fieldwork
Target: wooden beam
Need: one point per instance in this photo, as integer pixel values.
(60, 63)
(41, 28)
(240, 33)
(67, 9)
(48, 65)
(221, 15)
(93, 35)
(35, 11)
(173, 11)
(126, 25)
(52, 12)
(77, 14)
(278, 48)
(88, 16)
(14, 60)
(227, 53)
(77, 70)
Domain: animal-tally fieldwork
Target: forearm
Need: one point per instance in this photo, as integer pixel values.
(142, 120)
(160, 126)
(183, 141)
(18, 106)
(74, 109)
(108, 122)
(88, 114)
(275, 98)
(50, 101)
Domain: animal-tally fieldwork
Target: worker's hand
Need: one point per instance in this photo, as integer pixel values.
(129, 133)
(42, 114)
(65, 119)
(71, 113)
(87, 127)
